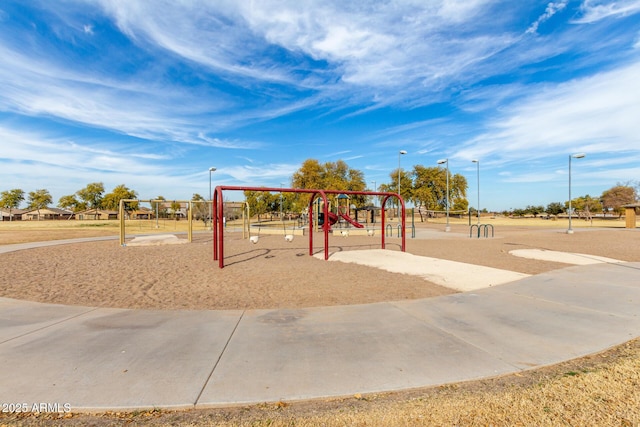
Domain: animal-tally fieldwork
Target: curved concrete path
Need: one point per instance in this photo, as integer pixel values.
(96, 359)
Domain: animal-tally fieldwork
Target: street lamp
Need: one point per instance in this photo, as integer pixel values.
(477, 162)
(281, 217)
(574, 156)
(400, 153)
(211, 169)
(447, 228)
(374, 189)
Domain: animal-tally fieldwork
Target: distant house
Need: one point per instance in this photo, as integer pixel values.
(13, 215)
(179, 213)
(142, 213)
(95, 214)
(46, 214)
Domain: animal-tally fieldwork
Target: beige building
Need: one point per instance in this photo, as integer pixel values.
(46, 214)
(95, 214)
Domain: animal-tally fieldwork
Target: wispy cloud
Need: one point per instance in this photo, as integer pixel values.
(596, 10)
(598, 114)
(157, 92)
(552, 9)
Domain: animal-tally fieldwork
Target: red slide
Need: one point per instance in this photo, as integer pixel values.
(351, 221)
(333, 218)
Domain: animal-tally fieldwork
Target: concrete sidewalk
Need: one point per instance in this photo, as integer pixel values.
(98, 359)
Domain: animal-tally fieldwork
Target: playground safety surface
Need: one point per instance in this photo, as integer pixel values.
(96, 359)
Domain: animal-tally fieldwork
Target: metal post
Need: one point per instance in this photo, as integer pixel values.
(211, 169)
(401, 152)
(477, 162)
(575, 156)
(447, 227)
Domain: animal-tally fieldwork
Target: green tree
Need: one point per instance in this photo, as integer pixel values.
(261, 202)
(534, 210)
(458, 192)
(111, 201)
(91, 195)
(71, 202)
(614, 198)
(159, 207)
(555, 208)
(11, 199)
(39, 199)
(429, 186)
(585, 206)
(328, 176)
(175, 208)
(429, 189)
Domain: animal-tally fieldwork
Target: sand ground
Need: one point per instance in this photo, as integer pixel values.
(277, 274)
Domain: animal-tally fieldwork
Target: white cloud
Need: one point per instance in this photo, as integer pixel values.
(552, 9)
(596, 10)
(252, 175)
(598, 114)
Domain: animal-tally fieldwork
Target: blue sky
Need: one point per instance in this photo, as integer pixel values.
(152, 93)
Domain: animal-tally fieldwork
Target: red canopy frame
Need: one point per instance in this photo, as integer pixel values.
(218, 213)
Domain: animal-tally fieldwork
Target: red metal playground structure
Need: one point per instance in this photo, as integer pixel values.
(218, 213)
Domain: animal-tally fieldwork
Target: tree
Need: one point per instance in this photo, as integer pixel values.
(429, 189)
(329, 176)
(39, 199)
(92, 194)
(309, 176)
(111, 201)
(614, 198)
(261, 202)
(11, 199)
(585, 206)
(175, 208)
(159, 207)
(555, 208)
(458, 192)
(200, 208)
(71, 202)
(534, 210)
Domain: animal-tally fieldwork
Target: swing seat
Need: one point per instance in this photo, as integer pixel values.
(288, 237)
(254, 239)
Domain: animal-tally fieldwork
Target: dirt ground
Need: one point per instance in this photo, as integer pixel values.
(274, 273)
(277, 274)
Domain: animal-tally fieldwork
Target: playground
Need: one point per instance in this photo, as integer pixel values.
(274, 273)
(103, 274)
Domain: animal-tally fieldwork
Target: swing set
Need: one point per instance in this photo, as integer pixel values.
(218, 214)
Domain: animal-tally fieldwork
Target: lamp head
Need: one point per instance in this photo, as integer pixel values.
(403, 151)
(212, 169)
(440, 162)
(578, 156)
(475, 161)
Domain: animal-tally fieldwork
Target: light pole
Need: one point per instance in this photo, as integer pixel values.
(374, 189)
(477, 162)
(574, 156)
(211, 169)
(281, 217)
(447, 228)
(400, 153)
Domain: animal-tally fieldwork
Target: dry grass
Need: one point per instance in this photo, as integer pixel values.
(599, 390)
(33, 231)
